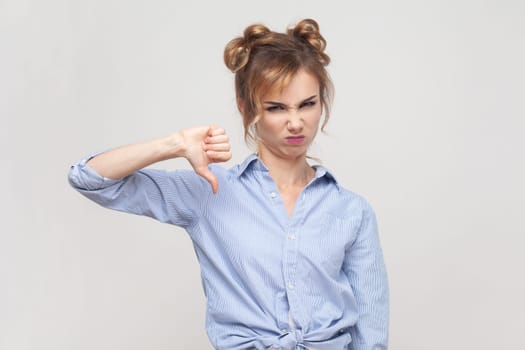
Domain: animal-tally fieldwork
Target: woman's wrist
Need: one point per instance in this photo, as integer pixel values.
(172, 146)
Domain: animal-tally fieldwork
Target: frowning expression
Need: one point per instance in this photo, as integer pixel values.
(290, 118)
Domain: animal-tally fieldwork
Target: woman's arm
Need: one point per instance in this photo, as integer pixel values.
(199, 145)
(367, 274)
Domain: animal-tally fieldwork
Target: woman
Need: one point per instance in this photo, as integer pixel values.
(289, 259)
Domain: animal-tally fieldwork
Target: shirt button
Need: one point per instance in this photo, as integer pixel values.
(284, 330)
(292, 236)
(290, 285)
(273, 194)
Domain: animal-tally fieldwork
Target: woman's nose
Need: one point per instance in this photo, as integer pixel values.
(295, 121)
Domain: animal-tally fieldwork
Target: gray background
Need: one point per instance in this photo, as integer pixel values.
(428, 125)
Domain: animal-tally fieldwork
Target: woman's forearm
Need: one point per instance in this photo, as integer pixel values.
(125, 160)
(200, 145)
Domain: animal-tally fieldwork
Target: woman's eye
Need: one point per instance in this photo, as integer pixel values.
(308, 104)
(274, 108)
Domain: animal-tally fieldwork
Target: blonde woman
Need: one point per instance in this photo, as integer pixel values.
(289, 258)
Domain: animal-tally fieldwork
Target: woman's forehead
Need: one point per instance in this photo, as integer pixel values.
(295, 88)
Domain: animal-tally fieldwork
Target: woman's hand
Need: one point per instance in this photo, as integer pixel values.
(203, 145)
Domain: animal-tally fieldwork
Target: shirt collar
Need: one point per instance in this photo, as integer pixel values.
(254, 163)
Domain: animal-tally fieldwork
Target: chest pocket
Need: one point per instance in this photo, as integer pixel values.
(325, 243)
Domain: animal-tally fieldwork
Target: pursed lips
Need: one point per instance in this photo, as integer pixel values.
(295, 139)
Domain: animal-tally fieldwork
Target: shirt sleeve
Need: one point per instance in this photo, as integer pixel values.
(365, 269)
(167, 196)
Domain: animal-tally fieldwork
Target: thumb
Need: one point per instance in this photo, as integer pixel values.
(210, 177)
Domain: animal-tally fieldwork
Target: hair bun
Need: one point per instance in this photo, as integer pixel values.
(308, 30)
(254, 32)
(237, 51)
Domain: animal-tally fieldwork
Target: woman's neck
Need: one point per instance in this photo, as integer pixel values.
(288, 172)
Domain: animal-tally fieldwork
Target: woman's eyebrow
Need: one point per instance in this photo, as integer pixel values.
(274, 103)
(282, 104)
(309, 98)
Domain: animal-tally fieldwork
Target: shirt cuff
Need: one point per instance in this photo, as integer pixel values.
(83, 177)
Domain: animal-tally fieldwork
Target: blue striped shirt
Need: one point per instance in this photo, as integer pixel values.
(315, 280)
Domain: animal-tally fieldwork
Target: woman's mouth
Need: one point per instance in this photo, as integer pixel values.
(295, 140)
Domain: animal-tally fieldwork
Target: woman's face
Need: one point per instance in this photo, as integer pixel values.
(290, 118)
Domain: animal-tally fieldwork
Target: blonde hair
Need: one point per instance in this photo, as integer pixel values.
(264, 61)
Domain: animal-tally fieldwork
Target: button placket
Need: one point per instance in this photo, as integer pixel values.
(292, 244)
(290, 265)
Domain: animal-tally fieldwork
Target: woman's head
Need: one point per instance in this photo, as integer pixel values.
(265, 62)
